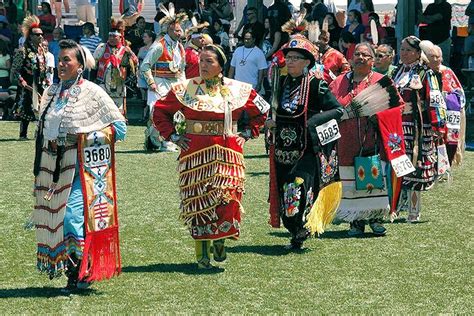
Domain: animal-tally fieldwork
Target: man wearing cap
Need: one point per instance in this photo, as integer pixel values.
(163, 65)
(112, 59)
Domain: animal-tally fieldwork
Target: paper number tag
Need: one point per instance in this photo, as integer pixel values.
(453, 119)
(328, 132)
(96, 156)
(402, 166)
(437, 99)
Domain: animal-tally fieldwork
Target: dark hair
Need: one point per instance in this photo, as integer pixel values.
(357, 16)
(70, 44)
(369, 5)
(334, 21)
(375, 17)
(89, 26)
(150, 33)
(348, 37)
(248, 31)
(139, 18)
(219, 51)
(273, 27)
(413, 42)
(47, 5)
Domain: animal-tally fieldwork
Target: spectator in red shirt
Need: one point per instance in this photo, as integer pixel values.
(47, 21)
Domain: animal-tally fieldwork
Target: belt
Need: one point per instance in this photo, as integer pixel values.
(165, 74)
(209, 128)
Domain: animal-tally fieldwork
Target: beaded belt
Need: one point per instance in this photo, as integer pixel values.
(208, 127)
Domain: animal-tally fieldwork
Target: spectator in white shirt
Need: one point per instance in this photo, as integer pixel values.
(248, 63)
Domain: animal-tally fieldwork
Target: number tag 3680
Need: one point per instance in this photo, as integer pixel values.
(96, 156)
(328, 132)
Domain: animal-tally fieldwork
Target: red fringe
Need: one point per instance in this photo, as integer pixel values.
(274, 220)
(101, 257)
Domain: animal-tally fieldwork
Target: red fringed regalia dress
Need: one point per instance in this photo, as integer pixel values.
(212, 170)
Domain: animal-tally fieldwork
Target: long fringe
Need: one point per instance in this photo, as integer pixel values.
(101, 257)
(48, 215)
(208, 178)
(324, 208)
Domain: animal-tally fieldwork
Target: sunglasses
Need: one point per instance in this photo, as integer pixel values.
(380, 56)
(37, 34)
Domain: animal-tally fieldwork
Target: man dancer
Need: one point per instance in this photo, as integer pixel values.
(163, 65)
(112, 59)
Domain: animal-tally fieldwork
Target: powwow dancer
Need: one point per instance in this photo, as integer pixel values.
(455, 105)
(304, 187)
(211, 163)
(424, 119)
(195, 42)
(164, 65)
(29, 68)
(112, 60)
(365, 148)
(76, 200)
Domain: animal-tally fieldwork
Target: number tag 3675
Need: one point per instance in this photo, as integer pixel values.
(96, 156)
(328, 132)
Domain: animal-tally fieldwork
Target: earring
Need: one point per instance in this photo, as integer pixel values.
(79, 71)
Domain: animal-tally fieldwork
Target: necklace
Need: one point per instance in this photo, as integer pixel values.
(353, 85)
(244, 59)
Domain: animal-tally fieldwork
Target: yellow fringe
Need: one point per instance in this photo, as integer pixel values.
(324, 208)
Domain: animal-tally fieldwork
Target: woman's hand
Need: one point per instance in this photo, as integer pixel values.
(240, 141)
(180, 141)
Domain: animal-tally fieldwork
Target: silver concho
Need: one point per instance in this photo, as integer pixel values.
(75, 91)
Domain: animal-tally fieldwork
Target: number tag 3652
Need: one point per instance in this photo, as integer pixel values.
(96, 156)
(328, 132)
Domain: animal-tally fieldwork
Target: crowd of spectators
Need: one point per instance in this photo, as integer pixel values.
(253, 40)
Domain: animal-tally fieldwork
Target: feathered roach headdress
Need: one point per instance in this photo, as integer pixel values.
(29, 23)
(170, 15)
(117, 25)
(297, 26)
(196, 28)
(298, 41)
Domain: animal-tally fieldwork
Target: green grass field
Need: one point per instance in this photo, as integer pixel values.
(417, 268)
